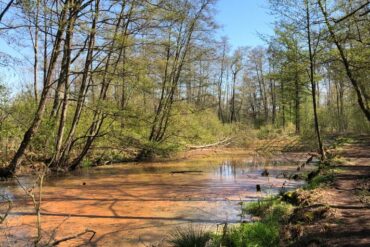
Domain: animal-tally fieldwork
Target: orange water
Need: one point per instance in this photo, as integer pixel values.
(138, 204)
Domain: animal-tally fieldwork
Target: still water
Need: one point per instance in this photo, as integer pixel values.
(138, 204)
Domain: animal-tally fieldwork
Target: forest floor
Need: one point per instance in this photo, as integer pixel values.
(348, 197)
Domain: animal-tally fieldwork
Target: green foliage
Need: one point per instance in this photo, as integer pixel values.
(191, 126)
(187, 126)
(124, 130)
(257, 234)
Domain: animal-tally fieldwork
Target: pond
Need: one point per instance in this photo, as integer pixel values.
(138, 204)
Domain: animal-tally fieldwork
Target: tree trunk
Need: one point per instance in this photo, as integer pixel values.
(313, 83)
(297, 106)
(10, 169)
(66, 149)
(360, 98)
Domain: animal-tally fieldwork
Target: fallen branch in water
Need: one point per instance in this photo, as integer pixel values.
(195, 171)
(223, 142)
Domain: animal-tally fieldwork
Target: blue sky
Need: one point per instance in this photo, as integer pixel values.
(241, 20)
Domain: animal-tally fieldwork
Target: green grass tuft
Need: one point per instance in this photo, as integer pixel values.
(189, 236)
(257, 234)
(269, 209)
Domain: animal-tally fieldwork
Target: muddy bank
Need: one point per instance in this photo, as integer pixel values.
(337, 213)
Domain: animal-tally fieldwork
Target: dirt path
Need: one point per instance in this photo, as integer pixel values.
(348, 198)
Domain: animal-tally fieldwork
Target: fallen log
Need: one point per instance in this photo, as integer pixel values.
(223, 142)
(181, 172)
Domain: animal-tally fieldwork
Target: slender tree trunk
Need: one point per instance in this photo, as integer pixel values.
(219, 86)
(273, 98)
(297, 106)
(232, 109)
(312, 80)
(282, 103)
(36, 49)
(64, 79)
(262, 86)
(6, 9)
(83, 89)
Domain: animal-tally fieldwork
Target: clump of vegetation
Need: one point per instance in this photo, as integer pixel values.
(265, 232)
(249, 234)
(268, 209)
(191, 235)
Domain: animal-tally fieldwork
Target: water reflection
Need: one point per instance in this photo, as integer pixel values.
(131, 200)
(227, 170)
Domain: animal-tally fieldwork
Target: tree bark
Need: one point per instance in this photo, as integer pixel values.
(312, 80)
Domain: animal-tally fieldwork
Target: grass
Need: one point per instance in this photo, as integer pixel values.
(189, 236)
(272, 211)
(269, 209)
(255, 234)
(249, 234)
